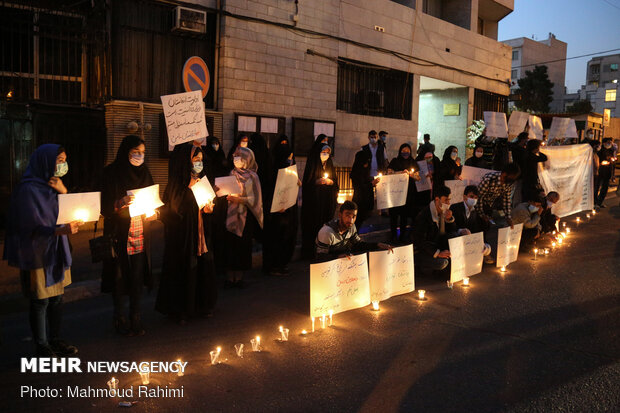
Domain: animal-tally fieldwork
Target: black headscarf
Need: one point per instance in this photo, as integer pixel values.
(179, 175)
(448, 167)
(281, 151)
(215, 161)
(400, 163)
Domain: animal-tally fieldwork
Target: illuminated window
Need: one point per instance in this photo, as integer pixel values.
(610, 95)
(613, 67)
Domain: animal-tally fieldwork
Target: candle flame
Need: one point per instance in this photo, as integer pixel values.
(375, 305)
(421, 294)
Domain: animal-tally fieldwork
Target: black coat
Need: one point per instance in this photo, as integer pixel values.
(379, 156)
(426, 236)
(363, 194)
(473, 223)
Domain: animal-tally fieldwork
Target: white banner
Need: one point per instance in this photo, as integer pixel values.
(339, 285)
(286, 189)
(185, 117)
(424, 184)
(508, 244)
(83, 206)
(571, 129)
(472, 175)
(536, 128)
(203, 192)
(246, 123)
(466, 255)
(391, 274)
(558, 128)
(392, 190)
(269, 125)
(457, 188)
(517, 122)
(323, 128)
(146, 200)
(496, 125)
(568, 171)
(227, 185)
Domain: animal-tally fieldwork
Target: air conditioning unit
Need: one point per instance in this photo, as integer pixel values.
(190, 20)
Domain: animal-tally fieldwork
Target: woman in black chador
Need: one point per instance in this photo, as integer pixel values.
(188, 284)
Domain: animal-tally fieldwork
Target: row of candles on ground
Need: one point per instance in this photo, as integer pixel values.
(284, 332)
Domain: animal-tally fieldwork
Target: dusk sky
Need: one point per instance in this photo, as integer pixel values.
(588, 26)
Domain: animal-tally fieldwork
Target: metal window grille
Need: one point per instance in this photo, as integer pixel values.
(487, 101)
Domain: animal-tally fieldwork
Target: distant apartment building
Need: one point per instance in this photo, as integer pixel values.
(527, 53)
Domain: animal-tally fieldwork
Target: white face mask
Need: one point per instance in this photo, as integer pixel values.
(445, 207)
(324, 157)
(454, 155)
(532, 208)
(372, 140)
(215, 147)
(471, 202)
(238, 161)
(137, 159)
(243, 144)
(197, 167)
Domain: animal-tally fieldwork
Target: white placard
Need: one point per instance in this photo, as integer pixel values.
(568, 171)
(203, 192)
(558, 128)
(323, 128)
(392, 190)
(466, 255)
(286, 190)
(83, 206)
(472, 175)
(517, 122)
(391, 273)
(457, 188)
(246, 123)
(339, 285)
(536, 128)
(269, 125)
(508, 244)
(185, 117)
(571, 129)
(228, 185)
(424, 184)
(145, 202)
(496, 125)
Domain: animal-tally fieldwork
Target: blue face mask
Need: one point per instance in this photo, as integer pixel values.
(61, 169)
(197, 167)
(136, 159)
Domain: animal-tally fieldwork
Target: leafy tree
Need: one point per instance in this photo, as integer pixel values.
(580, 106)
(536, 90)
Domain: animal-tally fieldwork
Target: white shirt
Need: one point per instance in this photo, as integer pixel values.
(373, 160)
(467, 210)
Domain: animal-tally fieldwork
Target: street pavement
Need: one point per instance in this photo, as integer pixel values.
(544, 336)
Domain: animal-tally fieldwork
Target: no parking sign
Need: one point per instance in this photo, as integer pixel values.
(196, 75)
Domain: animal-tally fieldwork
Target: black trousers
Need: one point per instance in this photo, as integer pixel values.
(45, 319)
(131, 285)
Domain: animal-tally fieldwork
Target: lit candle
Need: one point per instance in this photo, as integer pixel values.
(535, 253)
(81, 214)
(588, 216)
(255, 343)
(578, 220)
(323, 321)
(593, 212)
(304, 332)
(325, 176)
(239, 349)
(421, 294)
(283, 334)
(564, 224)
(503, 269)
(113, 386)
(546, 251)
(215, 355)
(560, 240)
(553, 244)
(449, 284)
(312, 324)
(331, 317)
(145, 375)
(465, 281)
(375, 305)
(180, 372)
(568, 230)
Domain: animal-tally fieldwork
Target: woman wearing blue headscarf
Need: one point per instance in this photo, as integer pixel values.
(40, 248)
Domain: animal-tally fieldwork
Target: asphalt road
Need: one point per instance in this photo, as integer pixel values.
(545, 336)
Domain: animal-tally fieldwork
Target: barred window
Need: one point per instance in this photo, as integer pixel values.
(365, 89)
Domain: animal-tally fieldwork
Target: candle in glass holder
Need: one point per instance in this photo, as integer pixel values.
(588, 216)
(546, 251)
(112, 386)
(215, 355)
(331, 317)
(578, 220)
(180, 372)
(283, 333)
(593, 212)
(325, 176)
(304, 332)
(312, 324)
(568, 230)
(535, 253)
(560, 240)
(323, 321)
(375, 305)
(553, 244)
(421, 294)
(503, 269)
(145, 376)
(465, 281)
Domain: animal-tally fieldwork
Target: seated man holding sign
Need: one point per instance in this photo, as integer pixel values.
(339, 237)
(432, 228)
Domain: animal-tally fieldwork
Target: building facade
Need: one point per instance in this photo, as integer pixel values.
(527, 53)
(93, 72)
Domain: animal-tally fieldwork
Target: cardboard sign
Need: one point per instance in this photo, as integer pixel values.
(508, 244)
(536, 128)
(286, 189)
(185, 117)
(83, 206)
(517, 122)
(145, 202)
(457, 188)
(203, 192)
(472, 175)
(466, 255)
(568, 171)
(391, 273)
(424, 184)
(558, 128)
(339, 285)
(496, 125)
(228, 185)
(392, 190)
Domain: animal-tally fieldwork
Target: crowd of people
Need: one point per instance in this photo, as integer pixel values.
(203, 244)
